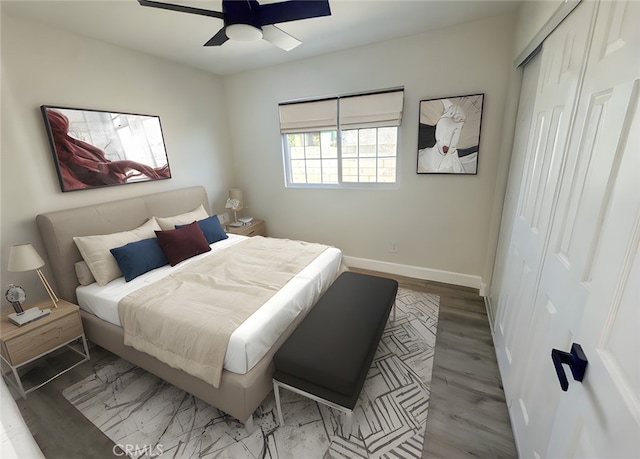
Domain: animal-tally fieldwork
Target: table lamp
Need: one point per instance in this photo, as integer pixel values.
(235, 203)
(23, 257)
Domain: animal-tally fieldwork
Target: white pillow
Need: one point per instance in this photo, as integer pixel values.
(84, 273)
(95, 249)
(169, 223)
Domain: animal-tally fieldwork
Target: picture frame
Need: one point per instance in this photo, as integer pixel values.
(449, 135)
(96, 148)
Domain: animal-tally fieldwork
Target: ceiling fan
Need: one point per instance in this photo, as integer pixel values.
(247, 20)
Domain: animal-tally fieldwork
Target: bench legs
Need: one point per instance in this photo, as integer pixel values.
(394, 311)
(315, 398)
(249, 425)
(276, 391)
(349, 412)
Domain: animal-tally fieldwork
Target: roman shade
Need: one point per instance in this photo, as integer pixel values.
(379, 109)
(319, 115)
(371, 110)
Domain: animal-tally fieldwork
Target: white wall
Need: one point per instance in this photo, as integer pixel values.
(41, 65)
(440, 222)
(443, 225)
(532, 16)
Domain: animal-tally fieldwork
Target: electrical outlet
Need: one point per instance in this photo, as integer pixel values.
(224, 218)
(393, 247)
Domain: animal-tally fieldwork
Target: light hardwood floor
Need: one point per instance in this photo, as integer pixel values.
(467, 413)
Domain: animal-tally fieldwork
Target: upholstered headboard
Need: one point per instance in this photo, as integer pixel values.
(58, 228)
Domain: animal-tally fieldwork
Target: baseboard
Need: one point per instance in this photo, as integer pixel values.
(487, 305)
(417, 272)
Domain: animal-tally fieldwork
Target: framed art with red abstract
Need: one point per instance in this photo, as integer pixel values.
(94, 148)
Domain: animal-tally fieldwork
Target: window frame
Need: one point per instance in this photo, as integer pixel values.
(286, 158)
(365, 110)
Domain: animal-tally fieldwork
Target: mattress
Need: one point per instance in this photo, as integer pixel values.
(255, 336)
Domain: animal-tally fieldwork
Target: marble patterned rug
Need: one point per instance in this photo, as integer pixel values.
(149, 417)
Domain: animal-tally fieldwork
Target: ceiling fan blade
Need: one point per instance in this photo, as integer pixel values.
(292, 10)
(181, 8)
(218, 39)
(279, 38)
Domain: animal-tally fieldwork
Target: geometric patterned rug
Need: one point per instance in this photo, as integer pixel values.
(149, 417)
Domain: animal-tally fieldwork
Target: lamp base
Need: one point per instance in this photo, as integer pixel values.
(28, 316)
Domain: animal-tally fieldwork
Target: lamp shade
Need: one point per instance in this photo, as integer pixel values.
(23, 257)
(235, 193)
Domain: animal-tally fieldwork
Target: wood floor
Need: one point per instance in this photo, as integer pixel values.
(467, 413)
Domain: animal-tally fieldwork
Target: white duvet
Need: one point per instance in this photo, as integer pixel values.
(255, 336)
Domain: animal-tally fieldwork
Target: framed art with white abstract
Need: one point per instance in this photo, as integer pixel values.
(449, 135)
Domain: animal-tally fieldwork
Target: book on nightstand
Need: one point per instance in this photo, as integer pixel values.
(27, 316)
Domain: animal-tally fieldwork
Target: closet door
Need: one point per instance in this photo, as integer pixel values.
(524, 324)
(577, 274)
(592, 267)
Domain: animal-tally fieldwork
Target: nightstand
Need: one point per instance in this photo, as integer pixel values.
(20, 346)
(255, 228)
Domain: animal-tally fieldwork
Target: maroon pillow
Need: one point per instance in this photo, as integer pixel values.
(182, 243)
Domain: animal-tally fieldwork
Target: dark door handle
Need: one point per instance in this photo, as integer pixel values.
(576, 360)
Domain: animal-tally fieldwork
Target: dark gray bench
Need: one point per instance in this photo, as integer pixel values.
(328, 356)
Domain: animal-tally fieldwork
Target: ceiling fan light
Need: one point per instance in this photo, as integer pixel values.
(243, 32)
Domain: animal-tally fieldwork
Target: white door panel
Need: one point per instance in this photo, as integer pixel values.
(572, 271)
(510, 276)
(533, 320)
(606, 405)
(593, 264)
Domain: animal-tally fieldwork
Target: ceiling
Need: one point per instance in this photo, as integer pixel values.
(179, 37)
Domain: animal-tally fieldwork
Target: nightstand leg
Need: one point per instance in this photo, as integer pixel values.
(18, 382)
(86, 348)
(15, 382)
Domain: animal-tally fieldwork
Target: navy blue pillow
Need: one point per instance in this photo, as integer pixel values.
(139, 257)
(211, 228)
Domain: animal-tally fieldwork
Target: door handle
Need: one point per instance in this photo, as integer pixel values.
(576, 360)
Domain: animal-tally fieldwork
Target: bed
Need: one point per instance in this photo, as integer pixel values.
(246, 378)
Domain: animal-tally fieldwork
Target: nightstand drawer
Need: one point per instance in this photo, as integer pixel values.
(255, 228)
(42, 339)
(259, 229)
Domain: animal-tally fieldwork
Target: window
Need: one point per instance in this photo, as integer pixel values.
(343, 141)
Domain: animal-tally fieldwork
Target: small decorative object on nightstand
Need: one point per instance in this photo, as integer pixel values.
(16, 296)
(255, 228)
(20, 346)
